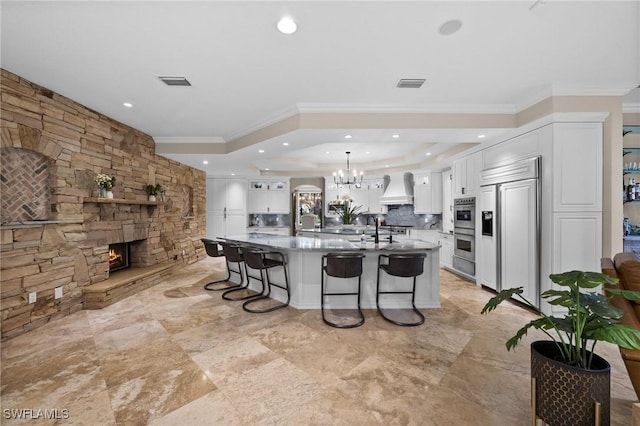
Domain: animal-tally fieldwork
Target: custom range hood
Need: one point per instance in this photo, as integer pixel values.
(398, 189)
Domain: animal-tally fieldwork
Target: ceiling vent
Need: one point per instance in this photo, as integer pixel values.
(410, 83)
(175, 81)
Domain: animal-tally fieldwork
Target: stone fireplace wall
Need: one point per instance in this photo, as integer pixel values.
(66, 243)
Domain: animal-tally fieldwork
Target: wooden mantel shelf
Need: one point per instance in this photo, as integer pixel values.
(122, 201)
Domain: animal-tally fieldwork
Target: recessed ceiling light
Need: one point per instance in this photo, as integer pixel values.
(267, 169)
(481, 136)
(128, 104)
(287, 26)
(450, 27)
(386, 165)
(327, 152)
(347, 136)
(395, 136)
(205, 162)
(285, 143)
(261, 151)
(233, 174)
(368, 152)
(428, 153)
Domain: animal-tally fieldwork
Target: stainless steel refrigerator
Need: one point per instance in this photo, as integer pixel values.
(508, 253)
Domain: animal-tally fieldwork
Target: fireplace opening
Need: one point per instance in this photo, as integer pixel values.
(119, 255)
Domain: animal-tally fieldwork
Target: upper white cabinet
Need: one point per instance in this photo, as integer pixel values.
(521, 147)
(360, 195)
(269, 196)
(466, 173)
(376, 189)
(427, 194)
(366, 194)
(577, 167)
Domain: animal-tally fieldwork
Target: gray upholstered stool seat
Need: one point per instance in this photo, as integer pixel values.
(342, 265)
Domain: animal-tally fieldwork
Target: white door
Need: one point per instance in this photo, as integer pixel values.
(486, 253)
(518, 238)
(226, 207)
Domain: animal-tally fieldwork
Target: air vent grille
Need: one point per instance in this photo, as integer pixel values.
(410, 83)
(175, 81)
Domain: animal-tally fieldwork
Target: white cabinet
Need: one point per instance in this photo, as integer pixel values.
(447, 201)
(466, 174)
(577, 167)
(376, 189)
(226, 207)
(333, 192)
(427, 194)
(360, 196)
(269, 196)
(366, 195)
(446, 250)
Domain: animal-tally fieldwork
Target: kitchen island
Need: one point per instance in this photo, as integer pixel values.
(304, 256)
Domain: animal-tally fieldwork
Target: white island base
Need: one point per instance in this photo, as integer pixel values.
(304, 260)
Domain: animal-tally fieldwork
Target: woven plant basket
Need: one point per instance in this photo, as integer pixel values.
(567, 395)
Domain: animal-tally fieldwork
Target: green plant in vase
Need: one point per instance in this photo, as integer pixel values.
(153, 191)
(349, 212)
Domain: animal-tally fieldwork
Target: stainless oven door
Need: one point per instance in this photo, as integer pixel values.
(464, 214)
(464, 243)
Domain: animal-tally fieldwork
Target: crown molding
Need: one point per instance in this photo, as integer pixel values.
(188, 139)
(319, 108)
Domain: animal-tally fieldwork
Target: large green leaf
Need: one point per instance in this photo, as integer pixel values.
(565, 324)
(566, 279)
(599, 305)
(537, 323)
(619, 334)
(499, 298)
(593, 279)
(562, 298)
(627, 294)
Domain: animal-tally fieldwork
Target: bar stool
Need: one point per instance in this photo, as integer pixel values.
(342, 265)
(213, 250)
(233, 255)
(401, 265)
(258, 260)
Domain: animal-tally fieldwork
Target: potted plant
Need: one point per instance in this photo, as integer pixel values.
(348, 213)
(153, 191)
(105, 185)
(567, 376)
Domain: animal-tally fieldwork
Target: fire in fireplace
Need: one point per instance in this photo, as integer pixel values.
(118, 256)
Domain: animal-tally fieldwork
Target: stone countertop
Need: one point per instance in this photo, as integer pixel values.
(271, 241)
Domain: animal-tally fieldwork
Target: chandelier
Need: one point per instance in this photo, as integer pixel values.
(351, 177)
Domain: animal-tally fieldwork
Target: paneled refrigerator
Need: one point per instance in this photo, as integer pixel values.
(509, 242)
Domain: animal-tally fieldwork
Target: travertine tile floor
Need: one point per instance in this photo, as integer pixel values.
(178, 355)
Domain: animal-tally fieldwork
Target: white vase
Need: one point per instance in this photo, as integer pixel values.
(102, 193)
(109, 194)
(152, 198)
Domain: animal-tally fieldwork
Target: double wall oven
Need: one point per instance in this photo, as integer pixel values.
(464, 235)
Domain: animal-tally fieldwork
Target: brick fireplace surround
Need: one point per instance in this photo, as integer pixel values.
(54, 232)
